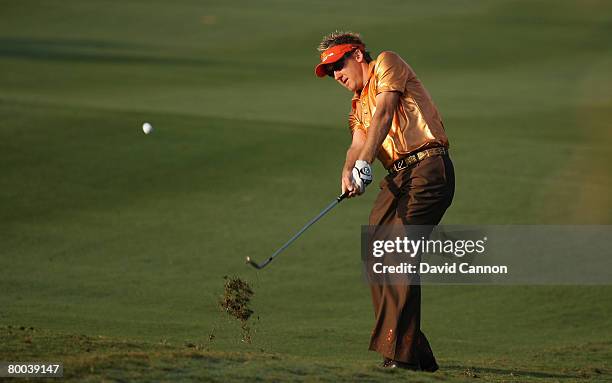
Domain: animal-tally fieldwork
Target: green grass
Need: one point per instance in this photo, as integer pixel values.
(117, 242)
(88, 358)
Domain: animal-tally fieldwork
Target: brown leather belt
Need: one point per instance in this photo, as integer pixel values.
(413, 158)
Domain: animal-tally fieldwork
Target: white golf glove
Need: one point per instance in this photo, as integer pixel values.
(362, 175)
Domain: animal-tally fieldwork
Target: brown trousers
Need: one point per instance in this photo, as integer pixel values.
(418, 195)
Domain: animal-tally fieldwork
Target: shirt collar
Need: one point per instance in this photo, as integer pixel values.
(357, 95)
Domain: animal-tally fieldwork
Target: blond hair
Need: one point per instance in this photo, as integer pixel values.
(341, 37)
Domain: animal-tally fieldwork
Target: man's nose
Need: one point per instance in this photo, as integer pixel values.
(337, 74)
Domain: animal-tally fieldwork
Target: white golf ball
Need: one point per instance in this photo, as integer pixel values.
(147, 128)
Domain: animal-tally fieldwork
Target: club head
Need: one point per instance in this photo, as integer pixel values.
(252, 263)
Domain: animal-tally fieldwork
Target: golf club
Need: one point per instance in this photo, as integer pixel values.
(297, 235)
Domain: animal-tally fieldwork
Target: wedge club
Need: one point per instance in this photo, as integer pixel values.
(260, 266)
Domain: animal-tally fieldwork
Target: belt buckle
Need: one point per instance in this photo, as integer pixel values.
(413, 159)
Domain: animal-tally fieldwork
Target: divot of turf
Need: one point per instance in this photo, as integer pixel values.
(235, 301)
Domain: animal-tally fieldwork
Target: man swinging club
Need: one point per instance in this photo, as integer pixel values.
(394, 119)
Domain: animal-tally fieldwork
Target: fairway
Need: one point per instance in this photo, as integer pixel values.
(114, 244)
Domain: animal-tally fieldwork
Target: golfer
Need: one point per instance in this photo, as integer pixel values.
(394, 119)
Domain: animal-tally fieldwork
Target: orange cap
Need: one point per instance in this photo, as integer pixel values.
(333, 54)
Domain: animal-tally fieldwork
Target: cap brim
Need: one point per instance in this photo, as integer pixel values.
(320, 70)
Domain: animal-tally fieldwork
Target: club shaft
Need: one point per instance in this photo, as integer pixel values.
(302, 230)
(299, 233)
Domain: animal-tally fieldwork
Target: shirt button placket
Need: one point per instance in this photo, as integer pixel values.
(364, 109)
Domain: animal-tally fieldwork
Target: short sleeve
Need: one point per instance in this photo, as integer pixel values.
(391, 73)
(355, 123)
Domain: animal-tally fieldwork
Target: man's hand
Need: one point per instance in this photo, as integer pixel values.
(352, 155)
(361, 176)
(347, 183)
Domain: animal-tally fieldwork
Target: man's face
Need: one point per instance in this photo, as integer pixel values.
(349, 72)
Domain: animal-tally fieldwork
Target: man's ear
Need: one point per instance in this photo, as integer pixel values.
(359, 56)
